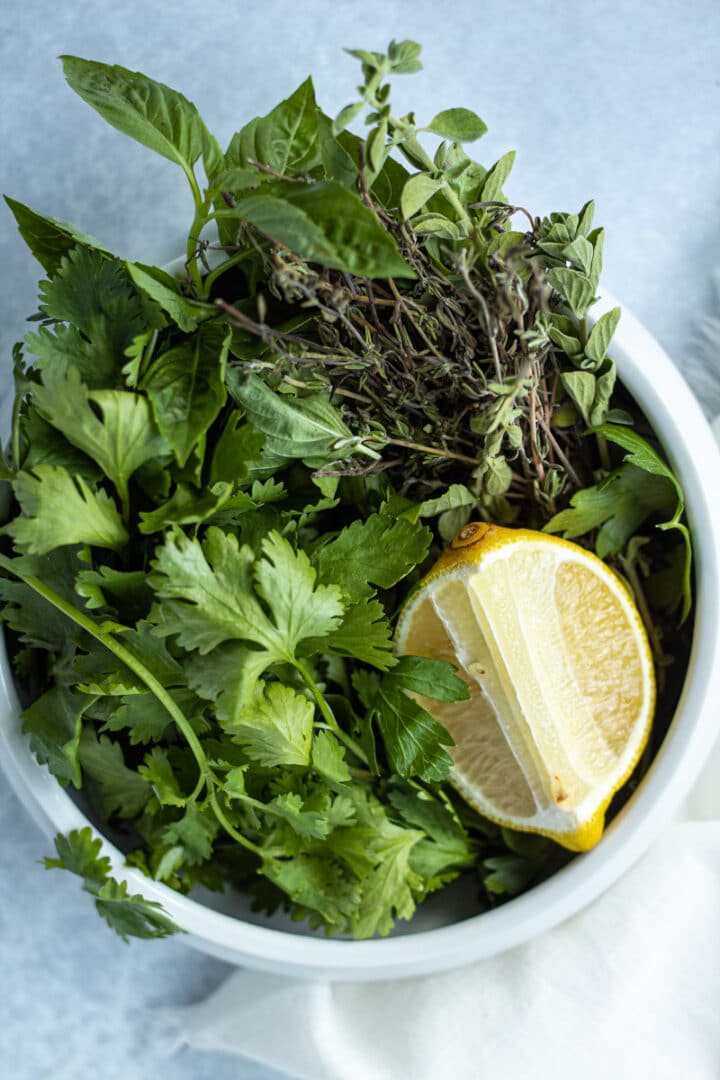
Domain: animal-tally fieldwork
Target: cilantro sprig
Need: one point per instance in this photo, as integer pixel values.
(222, 484)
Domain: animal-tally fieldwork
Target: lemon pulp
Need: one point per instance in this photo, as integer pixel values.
(560, 675)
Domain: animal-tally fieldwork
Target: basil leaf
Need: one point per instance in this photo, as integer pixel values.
(186, 387)
(148, 111)
(324, 223)
(286, 140)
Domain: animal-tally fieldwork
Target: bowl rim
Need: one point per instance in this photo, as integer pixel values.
(662, 393)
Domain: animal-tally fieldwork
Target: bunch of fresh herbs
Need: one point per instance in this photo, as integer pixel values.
(223, 483)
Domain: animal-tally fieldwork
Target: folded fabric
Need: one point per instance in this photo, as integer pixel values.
(629, 988)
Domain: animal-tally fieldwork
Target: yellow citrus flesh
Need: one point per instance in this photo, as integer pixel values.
(560, 673)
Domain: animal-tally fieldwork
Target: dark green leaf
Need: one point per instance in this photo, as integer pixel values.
(161, 287)
(123, 791)
(285, 140)
(132, 916)
(186, 386)
(150, 112)
(378, 551)
(48, 239)
(79, 852)
(53, 723)
(325, 223)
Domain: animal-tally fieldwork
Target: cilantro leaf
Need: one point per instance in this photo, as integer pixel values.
(54, 723)
(276, 729)
(364, 634)
(328, 757)
(95, 296)
(79, 852)
(132, 916)
(129, 916)
(318, 884)
(377, 551)
(208, 594)
(446, 849)
(122, 791)
(158, 771)
(60, 509)
(195, 831)
(120, 442)
(145, 718)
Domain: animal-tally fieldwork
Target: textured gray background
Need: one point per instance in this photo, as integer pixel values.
(619, 105)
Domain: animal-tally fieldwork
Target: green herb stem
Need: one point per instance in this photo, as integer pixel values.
(328, 713)
(230, 829)
(118, 650)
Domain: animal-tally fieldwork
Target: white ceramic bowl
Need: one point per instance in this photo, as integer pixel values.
(442, 935)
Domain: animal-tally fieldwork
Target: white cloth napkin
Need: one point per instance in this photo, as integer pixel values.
(629, 989)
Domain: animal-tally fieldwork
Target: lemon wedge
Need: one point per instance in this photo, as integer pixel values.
(560, 673)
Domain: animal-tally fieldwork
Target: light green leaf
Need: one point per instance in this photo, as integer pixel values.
(158, 772)
(61, 509)
(619, 505)
(309, 428)
(581, 386)
(119, 440)
(186, 387)
(328, 757)
(195, 831)
(276, 729)
(208, 595)
(458, 125)
(418, 189)
(601, 334)
(642, 455)
(574, 287)
(580, 253)
(492, 190)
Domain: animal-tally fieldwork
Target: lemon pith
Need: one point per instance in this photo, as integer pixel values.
(560, 674)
